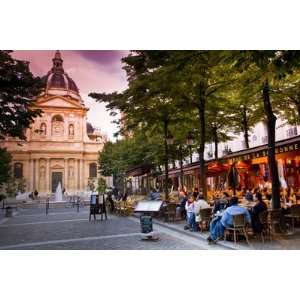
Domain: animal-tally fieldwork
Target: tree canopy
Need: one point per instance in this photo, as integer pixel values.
(18, 87)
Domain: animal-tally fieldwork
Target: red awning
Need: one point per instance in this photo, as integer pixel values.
(216, 168)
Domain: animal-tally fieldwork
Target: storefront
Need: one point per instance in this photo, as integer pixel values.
(255, 170)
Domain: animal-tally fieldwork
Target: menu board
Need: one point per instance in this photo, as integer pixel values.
(146, 224)
(148, 206)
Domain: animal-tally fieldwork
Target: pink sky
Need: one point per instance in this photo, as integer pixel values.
(92, 71)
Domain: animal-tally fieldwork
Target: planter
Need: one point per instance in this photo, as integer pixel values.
(8, 212)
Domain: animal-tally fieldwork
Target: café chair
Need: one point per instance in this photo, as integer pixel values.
(205, 216)
(239, 226)
(275, 221)
(294, 214)
(266, 230)
(170, 212)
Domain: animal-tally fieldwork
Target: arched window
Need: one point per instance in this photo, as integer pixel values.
(57, 125)
(93, 170)
(57, 118)
(18, 170)
(43, 129)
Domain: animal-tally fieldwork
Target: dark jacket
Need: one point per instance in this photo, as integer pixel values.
(256, 211)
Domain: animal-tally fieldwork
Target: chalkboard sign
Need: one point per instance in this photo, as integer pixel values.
(146, 224)
(93, 199)
(148, 206)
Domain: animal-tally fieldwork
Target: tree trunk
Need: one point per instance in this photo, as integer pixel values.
(245, 127)
(216, 142)
(297, 102)
(166, 160)
(181, 168)
(201, 110)
(271, 127)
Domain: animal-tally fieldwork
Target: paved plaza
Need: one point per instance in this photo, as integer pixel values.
(67, 229)
(64, 228)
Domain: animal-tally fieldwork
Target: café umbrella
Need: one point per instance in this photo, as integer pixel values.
(233, 178)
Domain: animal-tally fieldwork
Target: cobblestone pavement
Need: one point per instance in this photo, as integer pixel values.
(66, 229)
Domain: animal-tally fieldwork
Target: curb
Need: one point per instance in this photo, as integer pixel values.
(190, 234)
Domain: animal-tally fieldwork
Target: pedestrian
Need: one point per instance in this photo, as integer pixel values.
(195, 192)
(36, 193)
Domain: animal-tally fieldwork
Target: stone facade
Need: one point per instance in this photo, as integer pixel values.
(59, 147)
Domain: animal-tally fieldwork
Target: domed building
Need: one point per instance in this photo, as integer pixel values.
(61, 146)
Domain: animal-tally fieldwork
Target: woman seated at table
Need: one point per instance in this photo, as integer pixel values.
(257, 209)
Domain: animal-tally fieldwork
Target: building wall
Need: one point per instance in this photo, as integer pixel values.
(57, 149)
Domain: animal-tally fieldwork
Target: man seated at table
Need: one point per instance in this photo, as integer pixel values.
(155, 194)
(219, 224)
(222, 203)
(259, 207)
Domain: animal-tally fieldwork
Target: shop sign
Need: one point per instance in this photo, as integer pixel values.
(281, 149)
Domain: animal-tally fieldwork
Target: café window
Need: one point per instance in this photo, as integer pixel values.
(93, 170)
(18, 170)
(291, 132)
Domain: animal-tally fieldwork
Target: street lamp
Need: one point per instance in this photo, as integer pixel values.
(170, 139)
(190, 142)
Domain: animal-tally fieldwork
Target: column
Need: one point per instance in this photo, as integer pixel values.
(76, 175)
(30, 175)
(66, 185)
(79, 174)
(37, 172)
(48, 190)
(33, 175)
(82, 170)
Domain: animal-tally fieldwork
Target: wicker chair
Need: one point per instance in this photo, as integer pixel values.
(205, 216)
(170, 212)
(294, 215)
(239, 226)
(275, 220)
(266, 230)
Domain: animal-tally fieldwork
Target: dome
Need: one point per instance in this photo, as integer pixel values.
(57, 78)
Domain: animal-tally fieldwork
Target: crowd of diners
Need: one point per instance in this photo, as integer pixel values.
(225, 204)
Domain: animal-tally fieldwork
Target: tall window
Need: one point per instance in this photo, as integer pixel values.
(18, 170)
(93, 170)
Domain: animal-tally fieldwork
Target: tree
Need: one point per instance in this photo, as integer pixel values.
(18, 87)
(5, 166)
(147, 103)
(267, 68)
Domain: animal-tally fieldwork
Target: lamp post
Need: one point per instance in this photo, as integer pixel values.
(169, 140)
(190, 142)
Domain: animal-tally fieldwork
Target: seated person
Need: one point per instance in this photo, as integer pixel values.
(218, 225)
(154, 195)
(257, 209)
(199, 204)
(189, 207)
(222, 203)
(181, 205)
(249, 195)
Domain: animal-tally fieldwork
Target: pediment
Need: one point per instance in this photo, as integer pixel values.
(59, 102)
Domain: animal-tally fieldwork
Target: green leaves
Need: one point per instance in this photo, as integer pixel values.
(18, 87)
